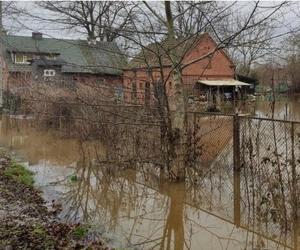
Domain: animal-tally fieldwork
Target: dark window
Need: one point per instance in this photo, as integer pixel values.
(133, 93)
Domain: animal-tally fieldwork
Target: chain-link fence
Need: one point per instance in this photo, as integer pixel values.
(249, 169)
(269, 166)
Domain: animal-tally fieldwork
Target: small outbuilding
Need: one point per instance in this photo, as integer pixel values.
(217, 91)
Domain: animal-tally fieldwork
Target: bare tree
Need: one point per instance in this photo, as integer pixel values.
(164, 51)
(167, 34)
(103, 20)
(256, 44)
(293, 61)
(6, 9)
(191, 16)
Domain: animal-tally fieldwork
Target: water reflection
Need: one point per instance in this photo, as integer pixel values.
(136, 209)
(283, 109)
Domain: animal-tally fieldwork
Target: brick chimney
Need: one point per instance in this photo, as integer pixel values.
(37, 35)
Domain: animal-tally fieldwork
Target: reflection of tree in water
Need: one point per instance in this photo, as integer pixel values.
(96, 187)
(174, 223)
(122, 201)
(122, 197)
(100, 193)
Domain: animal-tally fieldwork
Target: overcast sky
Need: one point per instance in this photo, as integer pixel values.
(23, 26)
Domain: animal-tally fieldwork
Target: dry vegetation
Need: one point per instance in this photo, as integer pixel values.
(26, 222)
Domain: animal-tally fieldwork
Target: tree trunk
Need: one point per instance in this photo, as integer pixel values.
(178, 139)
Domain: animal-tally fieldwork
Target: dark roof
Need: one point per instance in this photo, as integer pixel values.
(47, 62)
(78, 55)
(247, 79)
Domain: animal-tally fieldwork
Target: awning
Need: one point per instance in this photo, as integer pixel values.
(223, 83)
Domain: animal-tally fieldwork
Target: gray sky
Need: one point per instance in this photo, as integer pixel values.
(21, 26)
(25, 26)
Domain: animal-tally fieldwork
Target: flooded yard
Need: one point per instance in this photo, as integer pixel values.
(135, 209)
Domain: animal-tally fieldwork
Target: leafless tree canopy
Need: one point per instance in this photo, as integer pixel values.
(159, 29)
(103, 20)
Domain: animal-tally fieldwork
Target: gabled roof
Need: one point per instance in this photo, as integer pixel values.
(78, 55)
(158, 54)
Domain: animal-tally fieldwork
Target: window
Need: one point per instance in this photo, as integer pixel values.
(147, 93)
(141, 85)
(49, 72)
(51, 57)
(28, 58)
(133, 93)
(119, 94)
(22, 58)
(19, 58)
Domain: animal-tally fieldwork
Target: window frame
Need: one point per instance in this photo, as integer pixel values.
(49, 72)
(25, 58)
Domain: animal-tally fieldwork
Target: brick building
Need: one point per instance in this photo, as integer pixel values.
(145, 69)
(36, 59)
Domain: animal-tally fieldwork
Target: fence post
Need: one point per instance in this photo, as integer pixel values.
(194, 135)
(236, 171)
(60, 123)
(294, 190)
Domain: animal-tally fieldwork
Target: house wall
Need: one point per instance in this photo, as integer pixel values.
(3, 73)
(104, 85)
(18, 80)
(219, 67)
(25, 74)
(38, 74)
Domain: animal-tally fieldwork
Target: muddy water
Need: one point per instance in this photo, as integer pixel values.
(283, 109)
(133, 209)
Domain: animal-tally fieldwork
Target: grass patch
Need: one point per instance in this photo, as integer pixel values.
(19, 173)
(73, 178)
(81, 231)
(39, 230)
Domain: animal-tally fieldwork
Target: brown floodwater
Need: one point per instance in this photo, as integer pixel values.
(137, 209)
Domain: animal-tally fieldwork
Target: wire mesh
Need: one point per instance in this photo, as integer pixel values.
(261, 194)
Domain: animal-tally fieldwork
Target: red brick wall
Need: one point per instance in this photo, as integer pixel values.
(5, 73)
(102, 86)
(220, 67)
(20, 79)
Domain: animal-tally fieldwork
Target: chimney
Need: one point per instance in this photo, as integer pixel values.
(37, 35)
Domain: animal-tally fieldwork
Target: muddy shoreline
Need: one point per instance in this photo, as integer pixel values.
(26, 222)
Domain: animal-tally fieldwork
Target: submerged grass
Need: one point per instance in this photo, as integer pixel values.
(81, 231)
(19, 173)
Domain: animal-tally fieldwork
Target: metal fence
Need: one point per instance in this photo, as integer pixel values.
(252, 164)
